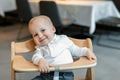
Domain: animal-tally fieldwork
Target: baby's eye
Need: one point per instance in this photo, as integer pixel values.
(43, 30)
(35, 35)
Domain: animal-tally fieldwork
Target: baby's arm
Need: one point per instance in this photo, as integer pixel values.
(81, 51)
(43, 66)
(39, 60)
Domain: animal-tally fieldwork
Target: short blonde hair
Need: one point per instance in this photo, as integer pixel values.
(42, 19)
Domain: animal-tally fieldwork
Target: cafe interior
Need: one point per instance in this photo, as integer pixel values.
(97, 20)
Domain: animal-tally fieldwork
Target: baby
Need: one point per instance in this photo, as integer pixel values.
(53, 49)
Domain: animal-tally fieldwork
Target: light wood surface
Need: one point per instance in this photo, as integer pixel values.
(83, 62)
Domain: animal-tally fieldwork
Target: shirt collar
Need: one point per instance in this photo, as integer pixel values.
(51, 42)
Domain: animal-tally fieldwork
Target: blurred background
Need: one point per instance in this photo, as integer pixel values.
(95, 19)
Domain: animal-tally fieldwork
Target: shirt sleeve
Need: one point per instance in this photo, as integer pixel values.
(37, 56)
(75, 50)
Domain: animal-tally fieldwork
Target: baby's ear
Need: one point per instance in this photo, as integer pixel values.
(53, 28)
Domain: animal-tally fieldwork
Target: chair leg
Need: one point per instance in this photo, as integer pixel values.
(19, 33)
(58, 30)
(90, 74)
(12, 74)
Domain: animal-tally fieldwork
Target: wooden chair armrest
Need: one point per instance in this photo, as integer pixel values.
(83, 62)
(21, 64)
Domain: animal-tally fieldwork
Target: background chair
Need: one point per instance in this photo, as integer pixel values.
(21, 64)
(49, 8)
(24, 13)
(111, 21)
(110, 24)
(117, 3)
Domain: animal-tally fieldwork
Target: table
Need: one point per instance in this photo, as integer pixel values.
(6, 6)
(85, 13)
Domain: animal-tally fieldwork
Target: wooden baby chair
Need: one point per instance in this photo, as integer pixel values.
(20, 64)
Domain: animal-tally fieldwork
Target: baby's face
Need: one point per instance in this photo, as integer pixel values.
(42, 33)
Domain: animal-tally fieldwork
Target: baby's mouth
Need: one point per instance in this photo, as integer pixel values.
(41, 40)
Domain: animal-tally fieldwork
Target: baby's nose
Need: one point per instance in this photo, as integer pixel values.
(40, 35)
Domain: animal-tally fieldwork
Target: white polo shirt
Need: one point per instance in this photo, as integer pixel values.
(60, 50)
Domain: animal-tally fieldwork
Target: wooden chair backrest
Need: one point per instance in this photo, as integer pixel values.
(83, 42)
(23, 47)
(29, 45)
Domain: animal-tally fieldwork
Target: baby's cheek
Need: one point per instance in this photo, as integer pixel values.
(36, 41)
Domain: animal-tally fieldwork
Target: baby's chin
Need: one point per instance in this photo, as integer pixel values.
(43, 44)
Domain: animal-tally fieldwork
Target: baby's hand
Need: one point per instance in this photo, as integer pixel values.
(43, 66)
(90, 55)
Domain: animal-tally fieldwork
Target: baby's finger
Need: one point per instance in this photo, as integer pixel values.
(51, 65)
